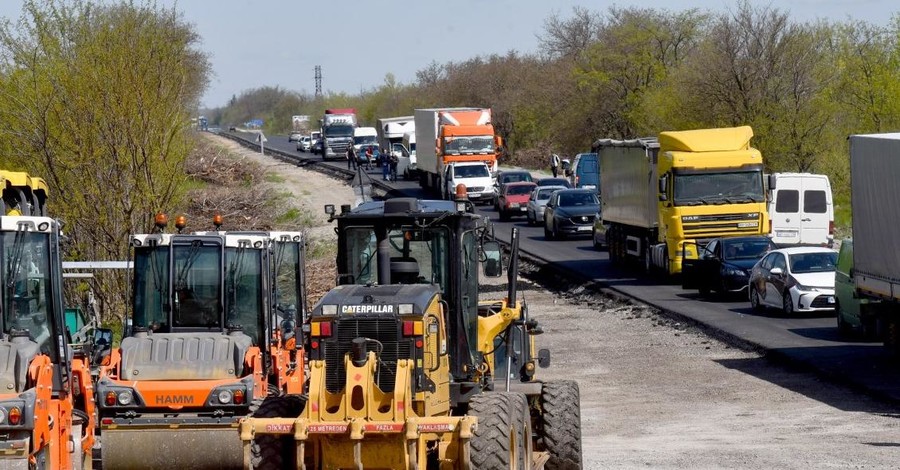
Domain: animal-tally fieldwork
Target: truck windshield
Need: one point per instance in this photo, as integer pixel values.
(27, 298)
(469, 145)
(692, 189)
(243, 289)
(338, 130)
(364, 139)
(426, 250)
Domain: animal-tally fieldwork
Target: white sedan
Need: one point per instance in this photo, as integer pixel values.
(797, 279)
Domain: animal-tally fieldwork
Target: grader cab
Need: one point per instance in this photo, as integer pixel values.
(407, 368)
(198, 355)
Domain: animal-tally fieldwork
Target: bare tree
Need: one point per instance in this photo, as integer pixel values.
(568, 37)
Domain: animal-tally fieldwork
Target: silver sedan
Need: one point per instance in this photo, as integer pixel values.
(534, 211)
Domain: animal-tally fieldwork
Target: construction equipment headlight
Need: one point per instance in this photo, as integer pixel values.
(330, 309)
(405, 309)
(124, 398)
(225, 396)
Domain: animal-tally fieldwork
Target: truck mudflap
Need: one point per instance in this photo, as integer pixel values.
(359, 443)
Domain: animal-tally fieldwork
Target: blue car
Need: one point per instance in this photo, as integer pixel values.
(724, 264)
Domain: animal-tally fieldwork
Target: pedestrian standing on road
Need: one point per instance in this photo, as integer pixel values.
(394, 161)
(369, 157)
(385, 165)
(351, 158)
(554, 164)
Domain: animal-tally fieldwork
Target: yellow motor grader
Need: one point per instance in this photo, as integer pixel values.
(408, 370)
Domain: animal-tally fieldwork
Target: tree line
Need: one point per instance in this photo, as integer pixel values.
(631, 72)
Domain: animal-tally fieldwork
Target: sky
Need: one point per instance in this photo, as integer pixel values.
(255, 43)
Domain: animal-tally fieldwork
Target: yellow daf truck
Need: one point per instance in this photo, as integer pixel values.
(662, 198)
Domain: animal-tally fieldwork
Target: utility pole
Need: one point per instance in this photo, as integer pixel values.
(318, 81)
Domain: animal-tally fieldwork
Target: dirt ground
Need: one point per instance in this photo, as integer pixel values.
(657, 394)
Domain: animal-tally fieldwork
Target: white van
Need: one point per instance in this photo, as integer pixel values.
(801, 209)
(406, 163)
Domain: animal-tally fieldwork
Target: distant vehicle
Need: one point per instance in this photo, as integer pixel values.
(724, 264)
(586, 172)
(570, 212)
(295, 136)
(799, 279)
(801, 209)
(232, 128)
(554, 182)
(514, 199)
(391, 130)
(537, 201)
(317, 147)
(509, 176)
(337, 132)
(406, 160)
(364, 136)
(475, 176)
(853, 313)
(303, 144)
(453, 135)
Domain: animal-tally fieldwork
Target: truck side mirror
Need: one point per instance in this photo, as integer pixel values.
(770, 181)
(663, 188)
(493, 267)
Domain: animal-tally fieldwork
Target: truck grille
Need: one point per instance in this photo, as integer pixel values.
(721, 223)
(385, 330)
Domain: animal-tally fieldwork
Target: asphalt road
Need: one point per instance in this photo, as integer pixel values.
(809, 342)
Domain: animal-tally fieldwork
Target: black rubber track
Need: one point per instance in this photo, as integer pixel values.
(561, 424)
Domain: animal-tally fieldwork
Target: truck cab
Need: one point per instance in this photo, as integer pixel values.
(363, 136)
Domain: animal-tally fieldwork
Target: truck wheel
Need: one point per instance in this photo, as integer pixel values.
(273, 452)
(842, 325)
(560, 425)
(496, 442)
(892, 337)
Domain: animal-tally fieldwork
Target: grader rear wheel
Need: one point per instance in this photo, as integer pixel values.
(496, 443)
(561, 424)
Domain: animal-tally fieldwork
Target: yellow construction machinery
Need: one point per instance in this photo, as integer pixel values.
(407, 368)
(46, 397)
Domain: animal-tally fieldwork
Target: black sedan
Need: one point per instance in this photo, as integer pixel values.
(554, 182)
(724, 264)
(570, 212)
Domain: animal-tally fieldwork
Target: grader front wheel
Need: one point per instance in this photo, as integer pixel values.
(497, 443)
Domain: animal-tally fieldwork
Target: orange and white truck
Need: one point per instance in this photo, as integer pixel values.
(450, 135)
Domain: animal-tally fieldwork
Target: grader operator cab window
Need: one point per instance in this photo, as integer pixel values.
(26, 285)
(417, 255)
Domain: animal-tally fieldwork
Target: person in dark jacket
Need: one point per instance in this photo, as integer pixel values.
(351, 158)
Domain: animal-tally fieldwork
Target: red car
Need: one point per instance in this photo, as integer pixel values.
(513, 199)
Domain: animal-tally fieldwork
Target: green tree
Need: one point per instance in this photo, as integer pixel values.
(97, 99)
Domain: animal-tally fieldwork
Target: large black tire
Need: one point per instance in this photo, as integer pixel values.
(497, 443)
(273, 452)
(560, 425)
